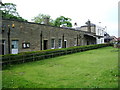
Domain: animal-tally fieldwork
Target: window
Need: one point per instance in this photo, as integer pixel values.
(75, 41)
(52, 43)
(15, 44)
(60, 43)
(101, 41)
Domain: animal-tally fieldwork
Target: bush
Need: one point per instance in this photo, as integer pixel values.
(39, 55)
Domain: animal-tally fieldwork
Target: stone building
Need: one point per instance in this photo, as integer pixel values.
(27, 36)
(97, 30)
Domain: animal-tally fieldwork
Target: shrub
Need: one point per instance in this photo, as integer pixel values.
(43, 54)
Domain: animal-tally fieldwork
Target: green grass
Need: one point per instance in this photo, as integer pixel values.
(90, 69)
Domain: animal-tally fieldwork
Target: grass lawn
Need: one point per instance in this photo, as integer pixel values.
(90, 69)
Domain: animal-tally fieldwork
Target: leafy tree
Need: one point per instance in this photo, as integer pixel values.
(40, 19)
(9, 8)
(9, 11)
(57, 22)
(63, 21)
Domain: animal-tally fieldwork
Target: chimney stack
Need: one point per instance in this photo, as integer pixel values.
(75, 24)
(89, 25)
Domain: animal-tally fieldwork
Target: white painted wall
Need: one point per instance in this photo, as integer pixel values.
(100, 32)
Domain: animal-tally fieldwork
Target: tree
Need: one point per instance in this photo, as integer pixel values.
(63, 21)
(57, 22)
(9, 8)
(41, 18)
(9, 11)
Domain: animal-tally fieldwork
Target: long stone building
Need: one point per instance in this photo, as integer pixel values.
(27, 36)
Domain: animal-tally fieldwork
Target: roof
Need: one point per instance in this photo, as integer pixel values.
(87, 25)
(110, 38)
(118, 38)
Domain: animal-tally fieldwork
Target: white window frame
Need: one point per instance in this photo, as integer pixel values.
(53, 44)
(75, 41)
(60, 43)
(15, 46)
(15, 43)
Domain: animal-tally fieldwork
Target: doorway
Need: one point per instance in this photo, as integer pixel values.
(45, 44)
(14, 46)
(65, 43)
(87, 42)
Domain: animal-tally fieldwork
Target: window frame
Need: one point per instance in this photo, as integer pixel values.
(53, 43)
(59, 43)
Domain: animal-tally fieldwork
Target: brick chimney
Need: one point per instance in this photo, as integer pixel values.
(89, 25)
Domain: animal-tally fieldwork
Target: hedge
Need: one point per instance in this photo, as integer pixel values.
(23, 57)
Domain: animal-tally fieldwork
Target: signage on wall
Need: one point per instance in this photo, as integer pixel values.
(25, 45)
(14, 51)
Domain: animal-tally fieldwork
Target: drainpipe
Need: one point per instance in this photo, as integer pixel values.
(41, 40)
(77, 40)
(63, 45)
(8, 39)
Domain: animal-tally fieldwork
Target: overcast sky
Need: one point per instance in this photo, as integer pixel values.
(104, 11)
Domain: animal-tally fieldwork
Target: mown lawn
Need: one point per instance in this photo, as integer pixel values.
(90, 69)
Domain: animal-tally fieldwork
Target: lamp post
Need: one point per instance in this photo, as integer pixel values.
(9, 52)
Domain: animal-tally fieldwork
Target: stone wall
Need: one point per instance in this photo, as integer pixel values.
(26, 32)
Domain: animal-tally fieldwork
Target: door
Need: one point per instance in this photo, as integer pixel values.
(87, 42)
(15, 47)
(65, 43)
(45, 44)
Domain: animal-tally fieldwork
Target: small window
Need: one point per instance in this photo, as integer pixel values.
(52, 43)
(60, 43)
(15, 44)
